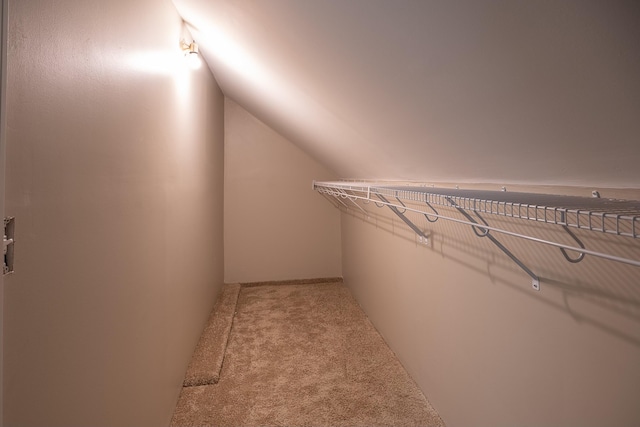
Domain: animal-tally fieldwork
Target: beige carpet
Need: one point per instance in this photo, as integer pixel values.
(305, 355)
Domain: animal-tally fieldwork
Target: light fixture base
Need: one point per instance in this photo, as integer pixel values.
(189, 47)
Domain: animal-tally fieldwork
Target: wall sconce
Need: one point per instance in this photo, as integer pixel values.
(191, 54)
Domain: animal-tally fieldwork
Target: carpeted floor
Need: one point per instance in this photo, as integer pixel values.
(305, 355)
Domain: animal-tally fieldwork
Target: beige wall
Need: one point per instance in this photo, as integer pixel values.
(485, 348)
(439, 90)
(115, 177)
(275, 227)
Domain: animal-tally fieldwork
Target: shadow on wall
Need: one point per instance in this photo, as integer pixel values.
(595, 291)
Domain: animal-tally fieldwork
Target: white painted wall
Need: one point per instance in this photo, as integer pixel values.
(115, 177)
(275, 227)
(533, 92)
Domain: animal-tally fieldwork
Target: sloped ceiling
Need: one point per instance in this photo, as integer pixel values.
(461, 91)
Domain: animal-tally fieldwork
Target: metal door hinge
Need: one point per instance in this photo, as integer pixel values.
(7, 243)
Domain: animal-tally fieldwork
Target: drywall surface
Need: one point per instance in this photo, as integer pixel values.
(541, 92)
(488, 350)
(275, 226)
(115, 177)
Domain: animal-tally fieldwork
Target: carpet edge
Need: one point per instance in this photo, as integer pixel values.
(214, 338)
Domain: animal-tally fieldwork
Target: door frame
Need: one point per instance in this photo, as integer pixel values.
(4, 20)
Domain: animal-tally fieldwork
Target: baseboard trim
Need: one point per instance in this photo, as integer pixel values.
(293, 282)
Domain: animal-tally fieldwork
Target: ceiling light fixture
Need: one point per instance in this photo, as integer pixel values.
(191, 54)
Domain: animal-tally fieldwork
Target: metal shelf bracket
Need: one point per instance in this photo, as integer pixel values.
(406, 220)
(535, 280)
(575, 238)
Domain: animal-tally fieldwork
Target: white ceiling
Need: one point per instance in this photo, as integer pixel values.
(433, 90)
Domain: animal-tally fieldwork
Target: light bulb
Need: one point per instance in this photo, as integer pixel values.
(193, 60)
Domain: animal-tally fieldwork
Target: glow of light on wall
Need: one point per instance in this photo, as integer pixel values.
(243, 64)
(310, 116)
(170, 63)
(163, 63)
(182, 80)
(233, 55)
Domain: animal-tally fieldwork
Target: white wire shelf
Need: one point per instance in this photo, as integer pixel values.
(609, 216)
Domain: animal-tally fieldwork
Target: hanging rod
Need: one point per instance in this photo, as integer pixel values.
(609, 216)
